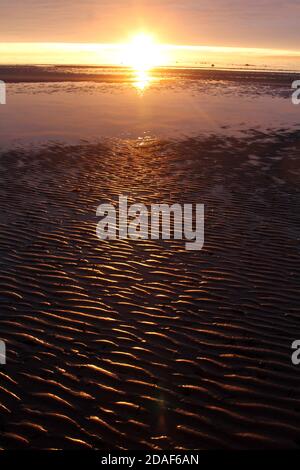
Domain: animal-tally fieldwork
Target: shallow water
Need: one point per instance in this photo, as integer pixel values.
(168, 107)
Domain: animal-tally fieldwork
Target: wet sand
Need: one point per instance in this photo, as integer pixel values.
(141, 344)
(76, 73)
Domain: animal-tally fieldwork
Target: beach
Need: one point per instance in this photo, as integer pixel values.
(142, 344)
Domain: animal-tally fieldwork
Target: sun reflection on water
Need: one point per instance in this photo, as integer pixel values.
(142, 79)
(142, 55)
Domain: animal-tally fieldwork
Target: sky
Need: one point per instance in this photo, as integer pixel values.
(241, 23)
(73, 31)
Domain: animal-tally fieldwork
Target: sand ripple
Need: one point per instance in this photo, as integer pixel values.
(141, 344)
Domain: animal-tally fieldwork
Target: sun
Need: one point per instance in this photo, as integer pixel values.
(143, 53)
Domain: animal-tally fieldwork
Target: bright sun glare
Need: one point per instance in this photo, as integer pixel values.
(142, 53)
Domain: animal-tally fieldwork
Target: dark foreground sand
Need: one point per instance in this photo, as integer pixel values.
(142, 344)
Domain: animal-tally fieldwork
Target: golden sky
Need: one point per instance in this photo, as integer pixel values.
(240, 23)
(89, 31)
(104, 54)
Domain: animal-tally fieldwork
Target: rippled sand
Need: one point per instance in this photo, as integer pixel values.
(141, 344)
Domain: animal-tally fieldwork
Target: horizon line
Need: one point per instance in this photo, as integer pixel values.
(192, 47)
